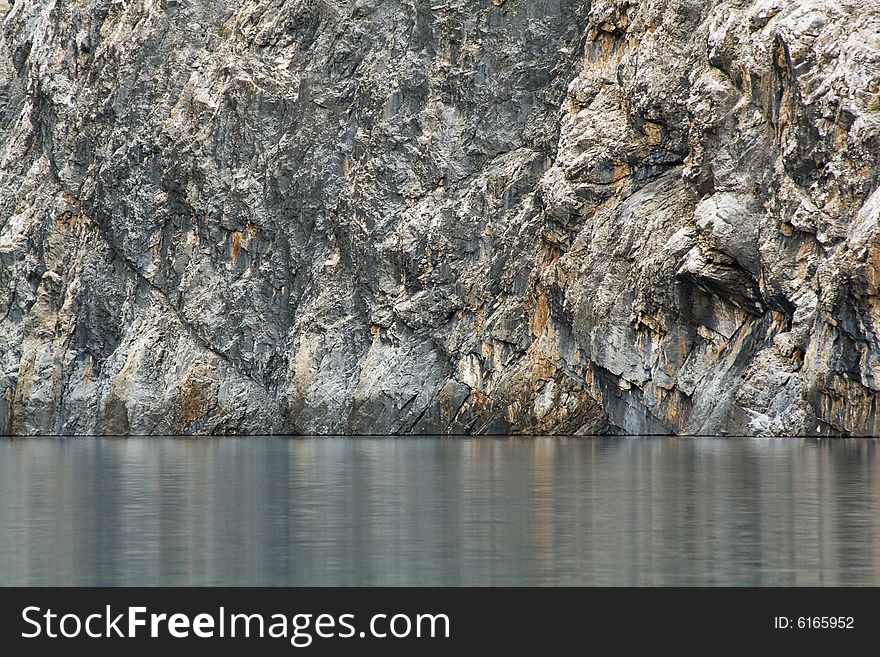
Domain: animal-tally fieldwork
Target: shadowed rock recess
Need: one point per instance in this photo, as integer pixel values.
(459, 216)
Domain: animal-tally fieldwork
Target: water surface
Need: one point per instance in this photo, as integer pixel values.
(343, 511)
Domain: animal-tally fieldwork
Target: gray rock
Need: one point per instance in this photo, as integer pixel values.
(412, 217)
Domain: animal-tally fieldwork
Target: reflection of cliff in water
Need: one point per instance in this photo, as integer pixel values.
(439, 511)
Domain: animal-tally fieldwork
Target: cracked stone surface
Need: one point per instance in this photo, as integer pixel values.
(459, 216)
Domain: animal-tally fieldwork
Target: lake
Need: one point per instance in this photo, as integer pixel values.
(439, 511)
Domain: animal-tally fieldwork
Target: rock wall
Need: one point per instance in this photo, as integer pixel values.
(459, 216)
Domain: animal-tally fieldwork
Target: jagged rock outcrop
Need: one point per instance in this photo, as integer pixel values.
(460, 216)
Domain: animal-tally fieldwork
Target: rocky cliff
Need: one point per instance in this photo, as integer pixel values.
(447, 216)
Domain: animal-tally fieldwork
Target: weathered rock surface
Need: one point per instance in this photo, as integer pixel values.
(459, 216)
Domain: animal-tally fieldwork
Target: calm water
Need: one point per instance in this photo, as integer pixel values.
(439, 511)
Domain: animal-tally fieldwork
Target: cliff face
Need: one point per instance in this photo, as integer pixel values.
(470, 216)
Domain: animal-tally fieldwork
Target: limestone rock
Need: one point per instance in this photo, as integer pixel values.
(397, 216)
